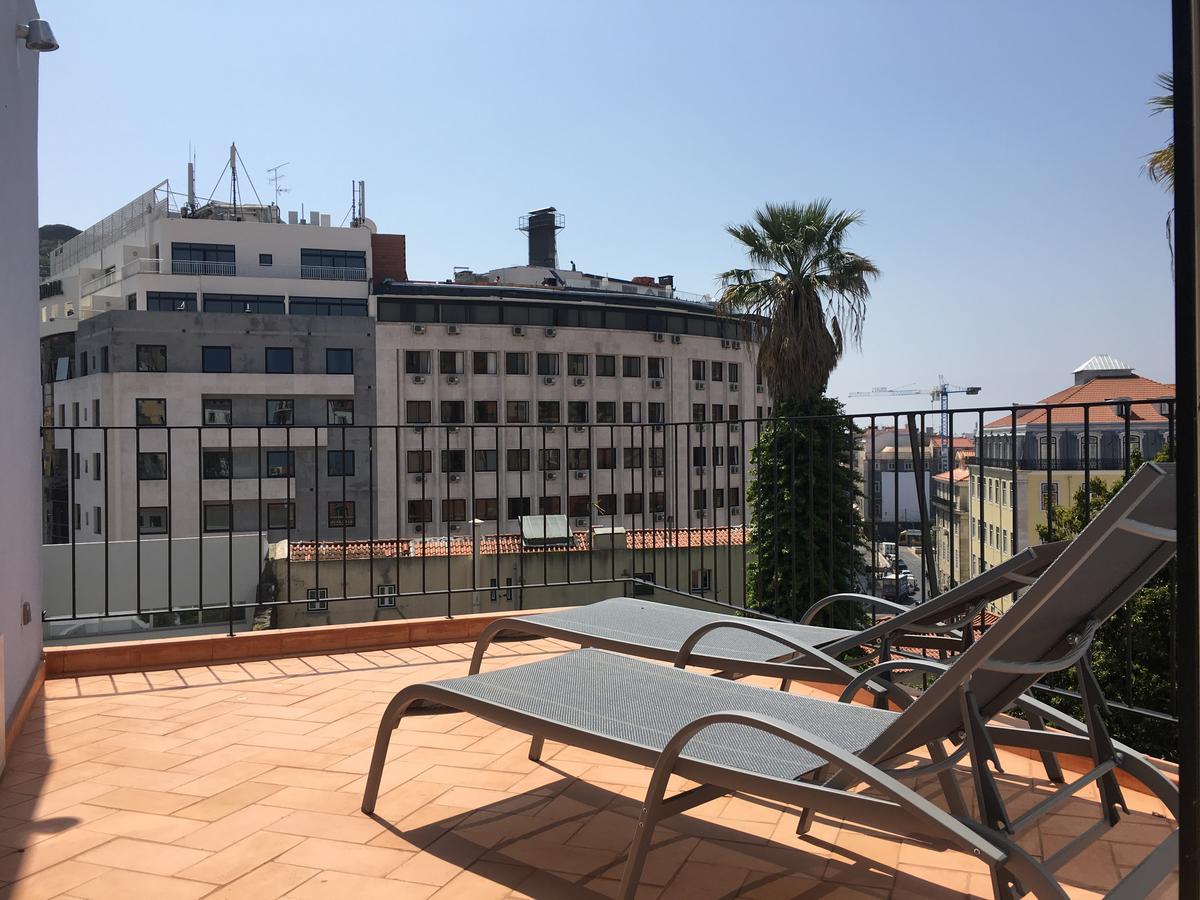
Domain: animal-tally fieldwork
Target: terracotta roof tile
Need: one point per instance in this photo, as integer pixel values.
(1097, 391)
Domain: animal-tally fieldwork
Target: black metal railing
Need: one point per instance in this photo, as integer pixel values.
(267, 524)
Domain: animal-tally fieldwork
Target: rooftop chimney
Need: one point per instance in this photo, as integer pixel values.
(542, 225)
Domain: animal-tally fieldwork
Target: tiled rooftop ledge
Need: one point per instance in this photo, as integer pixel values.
(212, 649)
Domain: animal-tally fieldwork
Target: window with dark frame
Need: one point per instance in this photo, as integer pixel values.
(279, 361)
(516, 363)
(281, 412)
(606, 366)
(152, 520)
(216, 464)
(217, 517)
(151, 466)
(341, 513)
(151, 358)
(486, 412)
(420, 511)
(216, 359)
(339, 361)
(418, 412)
(151, 411)
(281, 464)
(340, 412)
(215, 411)
(339, 463)
(281, 515)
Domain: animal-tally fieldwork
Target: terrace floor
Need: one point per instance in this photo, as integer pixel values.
(245, 781)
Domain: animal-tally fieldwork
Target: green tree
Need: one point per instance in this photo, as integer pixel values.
(807, 293)
(1131, 653)
(1160, 165)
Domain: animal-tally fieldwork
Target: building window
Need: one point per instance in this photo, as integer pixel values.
(281, 515)
(718, 412)
(516, 461)
(718, 498)
(420, 511)
(279, 361)
(339, 361)
(486, 508)
(217, 412)
(606, 366)
(550, 506)
(578, 459)
(385, 596)
(631, 412)
(1046, 446)
(656, 367)
(454, 461)
(483, 362)
(1049, 493)
(577, 364)
(517, 507)
(217, 517)
(340, 412)
(245, 304)
(327, 306)
(698, 412)
(420, 462)
(151, 358)
(658, 501)
(337, 265)
(634, 504)
(735, 496)
(700, 499)
(516, 411)
(216, 464)
(718, 455)
(658, 457)
(453, 412)
(631, 457)
(701, 581)
(281, 412)
(550, 459)
(167, 301)
(97, 520)
(341, 513)
(151, 411)
(606, 504)
(577, 412)
(1135, 444)
(281, 463)
(516, 363)
(97, 467)
(419, 412)
(548, 363)
(266, 259)
(631, 366)
(656, 413)
(733, 370)
(417, 362)
(318, 600)
(203, 259)
(454, 509)
(606, 457)
(606, 412)
(485, 460)
(340, 463)
(131, 301)
(486, 412)
(549, 412)
(579, 506)
(699, 456)
(450, 362)
(698, 370)
(152, 520)
(216, 359)
(717, 370)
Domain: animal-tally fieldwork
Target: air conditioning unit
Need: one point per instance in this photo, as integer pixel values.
(386, 602)
(551, 332)
(659, 337)
(580, 382)
(579, 523)
(700, 513)
(658, 517)
(418, 429)
(549, 429)
(456, 526)
(735, 510)
(453, 429)
(701, 426)
(418, 477)
(658, 427)
(735, 426)
(579, 429)
(456, 477)
(453, 329)
(733, 386)
(518, 331)
(418, 379)
(737, 345)
(418, 329)
(725, 344)
(552, 476)
(659, 473)
(418, 528)
(735, 469)
(580, 474)
(549, 379)
(453, 379)
(699, 385)
(655, 382)
(676, 339)
(701, 470)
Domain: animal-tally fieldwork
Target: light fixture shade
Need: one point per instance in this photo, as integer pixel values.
(40, 36)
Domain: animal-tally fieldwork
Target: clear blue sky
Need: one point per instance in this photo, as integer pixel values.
(995, 149)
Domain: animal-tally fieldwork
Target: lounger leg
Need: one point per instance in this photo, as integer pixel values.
(807, 813)
(785, 685)
(535, 747)
(387, 724)
(955, 801)
(485, 639)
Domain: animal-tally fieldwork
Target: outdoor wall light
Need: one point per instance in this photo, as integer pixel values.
(38, 36)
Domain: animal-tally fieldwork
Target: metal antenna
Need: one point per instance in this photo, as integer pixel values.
(275, 178)
(233, 185)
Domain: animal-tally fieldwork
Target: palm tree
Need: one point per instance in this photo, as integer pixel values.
(1160, 165)
(811, 290)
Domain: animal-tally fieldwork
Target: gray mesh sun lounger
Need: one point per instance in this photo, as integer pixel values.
(729, 736)
(785, 650)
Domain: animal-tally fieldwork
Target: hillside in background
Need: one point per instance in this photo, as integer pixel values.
(49, 237)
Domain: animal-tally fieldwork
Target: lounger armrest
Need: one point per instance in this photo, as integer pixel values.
(857, 769)
(863, 599)
(806, 651)
(894, 692)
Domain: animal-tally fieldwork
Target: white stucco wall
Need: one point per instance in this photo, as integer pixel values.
(20, 485)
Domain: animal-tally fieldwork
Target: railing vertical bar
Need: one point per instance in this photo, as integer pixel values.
(170, 505)
(107, 518)
(1087, 464)
(199, 521)
(444, 430)
(290, 507)
(229, 541)
(137, 519)
(73, 472)
(344, 517)
(896, 505)
(371, 436)
(876, 500)
(317, 512)
(810, 515)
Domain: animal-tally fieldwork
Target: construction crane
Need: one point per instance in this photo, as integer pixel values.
(939, 394)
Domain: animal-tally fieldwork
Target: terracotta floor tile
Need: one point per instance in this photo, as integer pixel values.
(147, 826)
(338, 802)
(360, 887)
(118, 884)
(267, 882)
(55, 849)
(321, 781)
(52, 881)
(232, 828)
(357, 828)
(241, 857)
(484, 778)
(162, 802)
(142, 856)
(228, 801)
(341, 856)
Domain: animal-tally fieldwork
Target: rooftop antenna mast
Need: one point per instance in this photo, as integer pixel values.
(274, 176)
(233, 181)
(191, 182)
